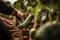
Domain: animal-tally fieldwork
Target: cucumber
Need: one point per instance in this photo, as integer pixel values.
(26, 22)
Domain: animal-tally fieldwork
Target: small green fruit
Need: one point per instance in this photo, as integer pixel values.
(32, 32)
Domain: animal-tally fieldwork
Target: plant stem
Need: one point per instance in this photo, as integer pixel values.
(36, 15)
(35, 18)
(50, 16)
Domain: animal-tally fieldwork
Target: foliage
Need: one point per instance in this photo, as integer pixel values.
(33, 7)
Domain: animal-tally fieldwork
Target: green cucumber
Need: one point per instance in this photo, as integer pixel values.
(27, 21)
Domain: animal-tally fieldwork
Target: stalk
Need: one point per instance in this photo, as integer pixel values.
(36, 15)
(50, 19)
(35, 18)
